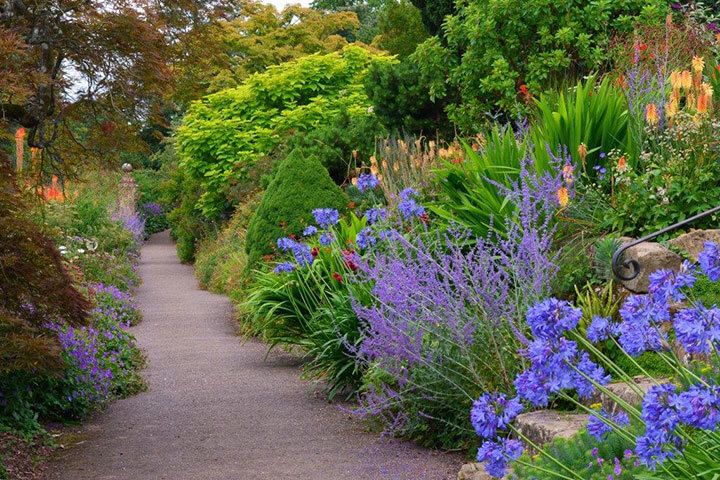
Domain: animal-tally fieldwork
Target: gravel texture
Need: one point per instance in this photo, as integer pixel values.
(217, 408)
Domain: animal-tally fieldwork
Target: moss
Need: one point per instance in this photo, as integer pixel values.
(300, 185)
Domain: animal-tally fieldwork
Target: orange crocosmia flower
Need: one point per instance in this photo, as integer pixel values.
(622, 164)
(651, 114)
(698, 64)
(563, 196)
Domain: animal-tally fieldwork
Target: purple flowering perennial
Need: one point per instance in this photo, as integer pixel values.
(326, 217)
(709, 260)
(367, 181)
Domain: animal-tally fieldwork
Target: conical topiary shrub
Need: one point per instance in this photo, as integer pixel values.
(300, 185)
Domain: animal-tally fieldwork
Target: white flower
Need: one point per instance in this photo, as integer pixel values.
(62, 248)
(81, 250)
(370, 109)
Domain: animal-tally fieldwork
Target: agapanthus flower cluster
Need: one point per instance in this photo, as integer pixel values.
(375, 215)
(493, 412)
(498, 454)
(556, 363)
(601, 423)
(301, 251)
(408, 206)
(709, 260)
(326, 217)
(367, 181)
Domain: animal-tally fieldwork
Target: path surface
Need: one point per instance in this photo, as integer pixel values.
(217, 409)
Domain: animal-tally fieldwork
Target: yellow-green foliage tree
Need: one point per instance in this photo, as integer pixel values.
(226, 133)
(223, 52)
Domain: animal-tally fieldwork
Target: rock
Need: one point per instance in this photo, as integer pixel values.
(694, 242)
(543, 426)
(473, 471)
(624, 392)
(476, 471)
(650, 256)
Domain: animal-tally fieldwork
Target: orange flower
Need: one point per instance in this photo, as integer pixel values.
(675, 77)
(702, 103)
(563, 196)
(671, 107)
(698, 64)
(622, 164)
(651, 114)
(582, 151)
(686, 79)
(54, 192)
(621, 81)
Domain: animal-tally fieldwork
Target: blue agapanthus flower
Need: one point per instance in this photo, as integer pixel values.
(303, 254)
(285, 244)
(550, 318)
(326, 217)
(367, 181)
(374, 215)
(408, 206)
(498, 454)
(666, 285)
(709, 260)
(326, 239)
(698, 407)
(310, 230)
(639, 331)
(284, 267)
(365, 238)
(492, 412)
(601, 423)
(600, 329)
(697, 328)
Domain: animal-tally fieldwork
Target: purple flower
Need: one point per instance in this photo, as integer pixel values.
(284, 267)
(367, 181)
(365, 238)
(374, 215)
(152, 208)
(550, 318)
(709, 261)
(409, 207)
(601, 423)
(286, 244)
(600, 329)
(497, 455)
(657, 410)
(326, 239)
(698, 407)
(493, 412)
(666, 285)
(639, 330)
(697, 328)
(310, 230)
(326, 217)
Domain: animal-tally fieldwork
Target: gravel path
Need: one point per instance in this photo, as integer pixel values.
(216, 408)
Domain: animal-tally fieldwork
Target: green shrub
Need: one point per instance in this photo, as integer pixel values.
(539, 43)
(340, 144)
(300, 185)
(221, 262)
(226, 133)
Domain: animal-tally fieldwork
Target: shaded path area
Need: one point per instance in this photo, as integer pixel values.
(216, 408)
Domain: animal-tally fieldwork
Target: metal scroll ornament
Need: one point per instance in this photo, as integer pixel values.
(630, 269)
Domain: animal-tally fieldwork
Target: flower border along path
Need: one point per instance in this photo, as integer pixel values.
(216, 408)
